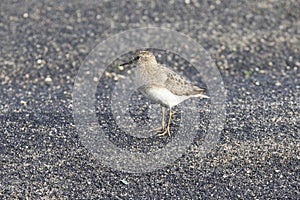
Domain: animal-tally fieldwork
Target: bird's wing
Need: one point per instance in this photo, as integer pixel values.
(178, 85)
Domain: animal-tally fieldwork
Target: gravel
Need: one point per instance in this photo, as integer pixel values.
(256, 47)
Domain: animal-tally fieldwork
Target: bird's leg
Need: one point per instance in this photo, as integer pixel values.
(162, 120)
(167, 131)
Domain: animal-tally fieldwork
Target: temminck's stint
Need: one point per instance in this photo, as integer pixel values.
(162, 85)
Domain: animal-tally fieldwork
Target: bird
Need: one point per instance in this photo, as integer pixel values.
(161, 85)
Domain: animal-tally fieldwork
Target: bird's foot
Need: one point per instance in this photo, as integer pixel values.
(166, 131)
(159, 129)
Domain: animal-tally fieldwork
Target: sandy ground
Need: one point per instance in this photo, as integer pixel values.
(256, 48)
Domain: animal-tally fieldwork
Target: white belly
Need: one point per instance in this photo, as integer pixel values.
(163, 96)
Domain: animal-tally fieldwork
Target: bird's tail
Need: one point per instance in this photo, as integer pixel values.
(202, 96)
(199, 92)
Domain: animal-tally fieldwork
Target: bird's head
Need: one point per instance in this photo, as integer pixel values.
(145, 57)
(142, 58)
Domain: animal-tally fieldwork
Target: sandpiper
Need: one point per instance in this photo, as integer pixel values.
(162, 85)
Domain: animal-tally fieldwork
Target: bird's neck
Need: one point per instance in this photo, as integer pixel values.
(149, 66)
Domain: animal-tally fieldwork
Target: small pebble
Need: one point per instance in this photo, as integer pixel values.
(107, 74)
(41, 61)
(124, 182)
(121, 68)
(48, 79)
(270, 64)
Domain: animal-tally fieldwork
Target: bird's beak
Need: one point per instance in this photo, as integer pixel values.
(129, 62)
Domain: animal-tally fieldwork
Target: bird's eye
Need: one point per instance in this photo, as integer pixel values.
(138, 57)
